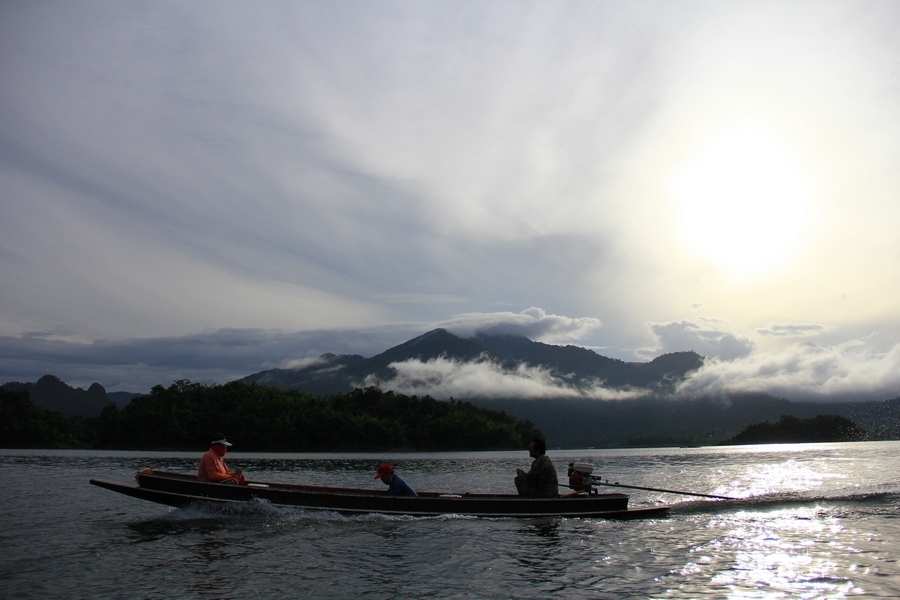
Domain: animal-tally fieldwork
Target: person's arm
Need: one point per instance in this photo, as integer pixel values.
(407, 489)
(215, 477)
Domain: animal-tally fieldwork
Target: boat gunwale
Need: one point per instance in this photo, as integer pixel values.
(345, 491)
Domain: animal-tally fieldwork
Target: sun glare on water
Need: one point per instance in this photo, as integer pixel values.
(741, 204)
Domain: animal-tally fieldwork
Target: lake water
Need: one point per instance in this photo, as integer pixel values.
(812, 521)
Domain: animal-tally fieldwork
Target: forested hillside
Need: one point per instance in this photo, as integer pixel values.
(260, 418)
(788, 429)
(24, 425)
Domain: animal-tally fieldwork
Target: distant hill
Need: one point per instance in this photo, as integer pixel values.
(50, 393)
(121, 399)
(665, 421)
(580, 367)
(788, 429)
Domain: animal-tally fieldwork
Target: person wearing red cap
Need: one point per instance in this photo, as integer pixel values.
(212, 466)
(396, 485)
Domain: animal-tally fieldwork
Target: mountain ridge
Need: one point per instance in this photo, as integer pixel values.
(583, 368)
(51, 393)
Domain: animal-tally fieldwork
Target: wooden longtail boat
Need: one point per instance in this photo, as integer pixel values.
(179, 490)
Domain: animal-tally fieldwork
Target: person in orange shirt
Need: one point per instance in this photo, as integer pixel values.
(212, 466)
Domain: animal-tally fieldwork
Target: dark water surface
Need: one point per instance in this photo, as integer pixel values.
(813, 521)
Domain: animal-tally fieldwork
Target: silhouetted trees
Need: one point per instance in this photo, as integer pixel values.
(261, 418)
(24, 425)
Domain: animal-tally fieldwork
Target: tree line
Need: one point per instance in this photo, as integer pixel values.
(260, 418)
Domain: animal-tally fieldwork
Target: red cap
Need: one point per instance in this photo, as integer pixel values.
(384, 469)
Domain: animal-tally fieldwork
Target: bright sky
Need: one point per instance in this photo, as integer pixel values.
(206, 189)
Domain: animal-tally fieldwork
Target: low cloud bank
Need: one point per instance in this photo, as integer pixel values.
(862, 369)
(444, 378)
(805, 371)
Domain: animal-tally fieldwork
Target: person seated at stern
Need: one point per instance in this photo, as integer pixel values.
(397, 486)
(540, 481)
(212, 466)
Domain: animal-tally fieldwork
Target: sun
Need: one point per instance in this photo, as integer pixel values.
(742, 204)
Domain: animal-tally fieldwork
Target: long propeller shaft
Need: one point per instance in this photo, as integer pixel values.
(650, 489)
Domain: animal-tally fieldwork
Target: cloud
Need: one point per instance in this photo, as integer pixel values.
(445, 378)
(856, 370)
(860, 369)
(533, 323)
(680, 336)
(303, 363)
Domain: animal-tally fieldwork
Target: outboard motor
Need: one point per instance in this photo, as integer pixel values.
(580, 478)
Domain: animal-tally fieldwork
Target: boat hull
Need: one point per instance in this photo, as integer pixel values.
(180, 490)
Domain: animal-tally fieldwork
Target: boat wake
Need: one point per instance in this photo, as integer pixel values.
(858, 498)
